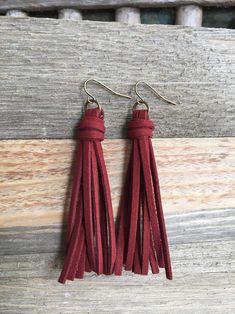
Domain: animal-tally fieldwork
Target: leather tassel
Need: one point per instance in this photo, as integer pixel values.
(90, 238)
(142, 237)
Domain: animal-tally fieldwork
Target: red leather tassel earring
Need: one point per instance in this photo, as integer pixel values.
(142, 237)
(90, 238)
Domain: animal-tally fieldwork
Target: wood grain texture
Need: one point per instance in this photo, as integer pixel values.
(202, 250)
(35, 176)
(94, 4)
(207, 293)
(44, 63)
(190, 258)
(195, 227)
(197, 180)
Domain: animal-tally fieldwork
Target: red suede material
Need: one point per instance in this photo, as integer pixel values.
(90, 239)
(142, 238)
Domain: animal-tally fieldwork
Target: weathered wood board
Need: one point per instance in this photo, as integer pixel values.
(35, 176)
(196, 175)
(94, 4)
(44, 62)
(194, 227)
(202, 249)
(197, 179)
(189, 293)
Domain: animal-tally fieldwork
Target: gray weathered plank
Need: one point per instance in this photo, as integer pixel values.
(200, 242)
(187, 294)
(44, 62)
(94, 4)
(202, 250)
(191, 258)
(184, 228)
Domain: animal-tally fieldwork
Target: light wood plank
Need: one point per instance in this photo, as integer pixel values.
(44, 63)
(94, 4)
(35, 176)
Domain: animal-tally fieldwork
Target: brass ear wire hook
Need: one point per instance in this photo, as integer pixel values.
(142, 101)
(91, 99)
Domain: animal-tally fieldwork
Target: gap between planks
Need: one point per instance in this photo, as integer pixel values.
(111, 4)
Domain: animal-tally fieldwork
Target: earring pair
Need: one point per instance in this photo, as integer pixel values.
(90, 239)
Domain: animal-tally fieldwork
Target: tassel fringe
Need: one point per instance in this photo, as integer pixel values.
(90, 238)
(142, 237)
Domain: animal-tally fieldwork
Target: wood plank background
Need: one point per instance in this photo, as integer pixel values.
(197, 180)
(94, 4)
(195, 174)
(44, 63)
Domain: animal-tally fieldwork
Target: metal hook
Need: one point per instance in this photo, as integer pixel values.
(141, 101)
(91, 98)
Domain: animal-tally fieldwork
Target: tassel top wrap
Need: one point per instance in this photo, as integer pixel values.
(91, 126)
(140, 126)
